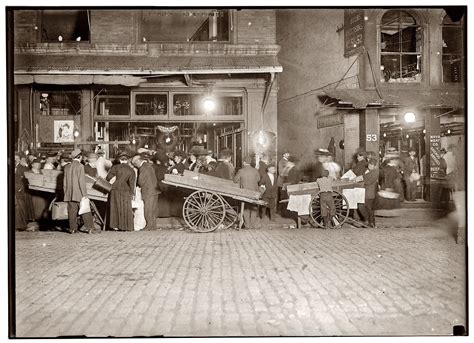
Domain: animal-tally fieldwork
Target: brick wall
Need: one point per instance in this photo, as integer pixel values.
(256, 26)
(26, 23)
(119, 26)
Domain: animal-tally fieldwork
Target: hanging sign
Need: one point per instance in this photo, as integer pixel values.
(435, 141)
(354, 32)
(330, 120)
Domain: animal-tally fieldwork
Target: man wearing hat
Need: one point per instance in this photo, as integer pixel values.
(410, 166)
(248, 177)
(318, 167)
(149, 187)
(50, 159)
(120, 213)
(180, 162)
(360, 165)
(74, 186)
(270, 194)
(225, 169)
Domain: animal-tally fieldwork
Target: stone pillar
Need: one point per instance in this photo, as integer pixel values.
(432, 143)
(369, 130)
(351, 137)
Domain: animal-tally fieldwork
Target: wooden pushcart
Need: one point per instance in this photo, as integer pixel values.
(50, 181)
(211, 206)
(341, 215)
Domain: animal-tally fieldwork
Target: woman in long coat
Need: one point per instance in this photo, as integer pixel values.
(24, 211)
(120, 213)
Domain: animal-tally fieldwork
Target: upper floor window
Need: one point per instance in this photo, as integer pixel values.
(59, 102)
(202, 25)
(65, 26)
(401, 47)
(453, 50)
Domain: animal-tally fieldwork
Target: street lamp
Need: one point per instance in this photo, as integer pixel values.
(409, 117)
(209, 104)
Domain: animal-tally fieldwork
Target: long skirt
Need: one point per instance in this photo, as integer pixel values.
(24, 211)
(120, 213)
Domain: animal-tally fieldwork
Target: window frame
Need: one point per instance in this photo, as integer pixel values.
(419, 23)
(231, 30)
(39, 91)
(462, 27)
(50, 41)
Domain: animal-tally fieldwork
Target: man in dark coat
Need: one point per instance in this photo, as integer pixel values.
(270, 195)
(410, 165)
(120, 213)
(360, 165)
(74, 186)
(316, 168)
(225, 169)
(248, 177)
(371, 185)
(149, 185)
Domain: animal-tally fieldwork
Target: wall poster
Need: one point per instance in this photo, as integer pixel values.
(64, 131)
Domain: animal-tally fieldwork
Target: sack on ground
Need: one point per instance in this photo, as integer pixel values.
(84, 206)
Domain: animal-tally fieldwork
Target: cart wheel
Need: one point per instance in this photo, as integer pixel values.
(204, 211)
(342, 210)
(231, 216)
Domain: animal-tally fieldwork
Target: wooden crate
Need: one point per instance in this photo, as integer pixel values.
(209, 185)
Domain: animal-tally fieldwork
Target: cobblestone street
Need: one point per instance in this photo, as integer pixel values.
(270, 281)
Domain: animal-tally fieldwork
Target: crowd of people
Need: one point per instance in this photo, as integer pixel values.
(138, 195)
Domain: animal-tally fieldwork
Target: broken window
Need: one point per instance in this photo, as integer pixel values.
(65, 26)
(453, 50)
(401, 47)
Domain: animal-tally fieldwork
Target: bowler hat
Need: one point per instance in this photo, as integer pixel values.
(75, 153)
(322, 152)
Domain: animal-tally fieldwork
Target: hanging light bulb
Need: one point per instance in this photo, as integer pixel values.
(449, 131)
(209, 104)
(146, 146)
(76, 133)
(385, 134)
(410, 117)
(134, 141)
(167, 140)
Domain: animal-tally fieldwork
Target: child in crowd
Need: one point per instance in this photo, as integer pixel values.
(328, 207)
(270, 194)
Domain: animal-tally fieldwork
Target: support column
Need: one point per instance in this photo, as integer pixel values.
(369, 132)
(432, 143)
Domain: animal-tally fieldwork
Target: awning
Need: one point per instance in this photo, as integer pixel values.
(435, 98)
(68, 79)
(31, 64)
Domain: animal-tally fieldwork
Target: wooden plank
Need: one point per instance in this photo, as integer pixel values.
(210, 186)
(312, 187)
(210, 179)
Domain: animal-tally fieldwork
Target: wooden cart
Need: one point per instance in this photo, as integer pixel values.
(209, 206)
(50, 181)
(341, 202)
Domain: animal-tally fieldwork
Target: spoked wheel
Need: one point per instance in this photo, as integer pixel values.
(340, 216)
(204, 211)
(231, 216)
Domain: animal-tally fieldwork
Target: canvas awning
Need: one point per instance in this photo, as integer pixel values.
(434, 98)
(35, 64)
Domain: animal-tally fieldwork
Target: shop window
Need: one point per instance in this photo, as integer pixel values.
(401, 47)
(206, 25)
(112, 103)
(65, 26)
(60, 103)
(194, 104)
(453, 50)
(151, 104)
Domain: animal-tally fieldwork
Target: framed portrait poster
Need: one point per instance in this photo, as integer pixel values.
(64, 131)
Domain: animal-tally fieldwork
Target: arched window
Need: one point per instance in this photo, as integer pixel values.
(453, 49)
(401, 47)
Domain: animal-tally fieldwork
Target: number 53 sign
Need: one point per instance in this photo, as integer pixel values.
(372, 137)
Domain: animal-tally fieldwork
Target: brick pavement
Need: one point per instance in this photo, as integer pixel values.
(270, 281)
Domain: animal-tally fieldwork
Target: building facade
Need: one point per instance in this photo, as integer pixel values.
(145, 78)
(352, 76)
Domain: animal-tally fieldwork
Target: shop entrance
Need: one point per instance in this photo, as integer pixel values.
(170, 136)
